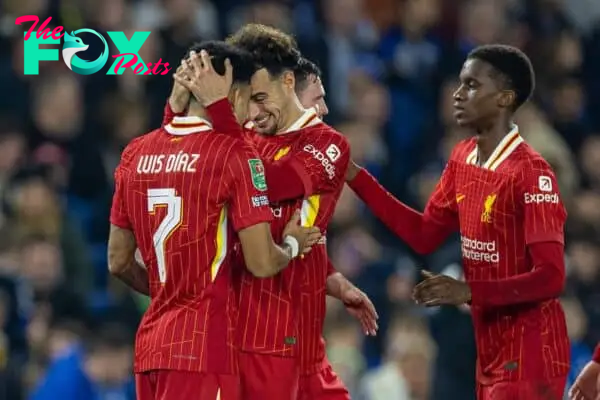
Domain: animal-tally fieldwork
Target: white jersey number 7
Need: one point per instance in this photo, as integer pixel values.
(169, 199)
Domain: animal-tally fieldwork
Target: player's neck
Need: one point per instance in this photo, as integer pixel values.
(488, 139)
(292, 114)
(196, 110)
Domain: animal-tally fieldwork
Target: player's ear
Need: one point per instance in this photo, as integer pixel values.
(289, 80)
(234, 93)
(507, 99)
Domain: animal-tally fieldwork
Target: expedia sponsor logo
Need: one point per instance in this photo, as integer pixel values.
(320, 157)
(277, 211)
(539, 198)
(477, 250)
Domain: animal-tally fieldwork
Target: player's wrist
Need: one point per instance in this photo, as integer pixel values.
(216, 101)
(177, 103)
(292, 243)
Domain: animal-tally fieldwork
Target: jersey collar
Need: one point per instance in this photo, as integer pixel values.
(504, 149)
(308, 118)
(186, 125)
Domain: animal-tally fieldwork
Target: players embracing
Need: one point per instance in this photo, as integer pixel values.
(280, 330)
(186, 195)
(280, 323)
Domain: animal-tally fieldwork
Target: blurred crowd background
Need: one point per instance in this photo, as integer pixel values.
(389, 66)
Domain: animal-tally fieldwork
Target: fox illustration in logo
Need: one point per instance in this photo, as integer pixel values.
(73, 45)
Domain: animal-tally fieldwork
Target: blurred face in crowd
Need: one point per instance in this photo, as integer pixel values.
(110, 366)
(58, 104)
(584, 261)
(41, 264)
(478, 100)
(12, 148)
(34, 198)
(271, 97)
(576, 318)
(313, 95)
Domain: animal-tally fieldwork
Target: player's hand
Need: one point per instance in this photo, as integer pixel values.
(587, 384)
(306, 236)
(352, 171)
(180, 95)
(201, 79)
(437, 290)
(359, 305)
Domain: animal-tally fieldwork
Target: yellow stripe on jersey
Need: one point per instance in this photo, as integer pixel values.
(221, 240)
(310, 210)
(502, 151)
(510, 145)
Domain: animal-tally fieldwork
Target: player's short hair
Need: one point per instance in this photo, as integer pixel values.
(272, 49)
(303, 71)
(241, 60)
(513, 65)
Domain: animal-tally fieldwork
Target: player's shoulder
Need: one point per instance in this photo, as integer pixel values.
(527, 163)
(526, 157)
(235, 146)
(322, 129)
(324, 135)
(462, 150)
(136, 144)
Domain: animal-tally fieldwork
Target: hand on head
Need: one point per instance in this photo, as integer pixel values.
(199, 77)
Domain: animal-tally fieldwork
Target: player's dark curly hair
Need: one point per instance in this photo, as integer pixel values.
(513, 66)
(242, 61)
(272, 49)
(303, 71)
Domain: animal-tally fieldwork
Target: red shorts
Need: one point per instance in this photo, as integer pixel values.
(186, 385)
(553, 389)
(267, 377)
(323, 385)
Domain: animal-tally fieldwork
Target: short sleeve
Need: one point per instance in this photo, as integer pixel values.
(249, 203)
(442, 205)
(322, 161)
(543, 210)
(118, 210)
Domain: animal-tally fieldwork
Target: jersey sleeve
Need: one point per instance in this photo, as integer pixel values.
(224, 120)
(442, 205)
(322, 161)
(118, 210)
(543, 210)
(169, 114)
(249, 201)
(596, 356)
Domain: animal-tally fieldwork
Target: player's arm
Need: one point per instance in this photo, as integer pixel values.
(544, 218)
(177, 103)
(423, 232)
(121, 242)
(336, 282)
(357, 302)
(121, 260)
(251, 216)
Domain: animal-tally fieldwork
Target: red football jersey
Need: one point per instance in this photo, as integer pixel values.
(510, 201)
(284, 315)
(183, 191)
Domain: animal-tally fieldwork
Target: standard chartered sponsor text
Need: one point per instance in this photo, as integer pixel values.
(477, 250)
